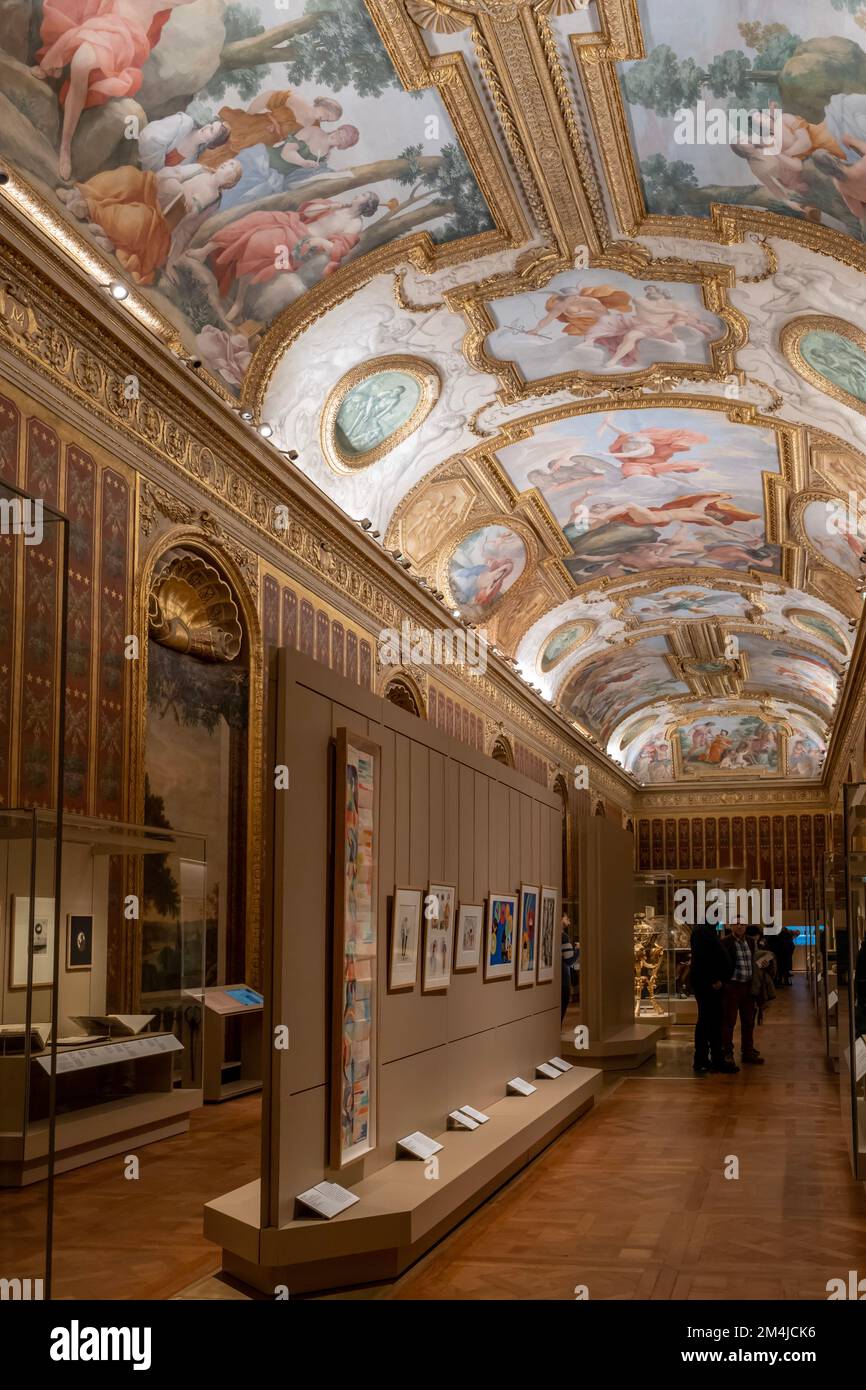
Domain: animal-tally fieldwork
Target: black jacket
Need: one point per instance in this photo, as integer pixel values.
(710, 961)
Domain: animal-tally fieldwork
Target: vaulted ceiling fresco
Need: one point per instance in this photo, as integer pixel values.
(527, 291)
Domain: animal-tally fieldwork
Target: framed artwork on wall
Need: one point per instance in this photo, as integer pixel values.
(499, 942)
(79, 943)
(438, 937)
(356, 859)
(547, 934)
(467, 943)
(43, 943)
(405, 938)
(527, 936)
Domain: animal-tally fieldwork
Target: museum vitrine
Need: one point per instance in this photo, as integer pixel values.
(851, 986)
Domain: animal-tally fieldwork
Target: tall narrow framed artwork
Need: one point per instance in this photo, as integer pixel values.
(405, 939)
(356, 861)
(527, 936)
(547, 935)
(470, 930)
(39, 940)
(438, 937)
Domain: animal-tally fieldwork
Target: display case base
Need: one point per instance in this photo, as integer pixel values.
(401, 1213)
(624, 1050)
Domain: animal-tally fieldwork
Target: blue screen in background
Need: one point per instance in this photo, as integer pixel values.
(805, 936)
(245, 996)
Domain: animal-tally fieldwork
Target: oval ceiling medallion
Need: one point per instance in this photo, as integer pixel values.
(823, 521)
(483, 566)
(816, 625)
(374, 407)
(563, 641)
(829, 353)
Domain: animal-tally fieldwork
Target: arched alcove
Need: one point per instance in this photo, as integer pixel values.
(501, 752)
(402, 692)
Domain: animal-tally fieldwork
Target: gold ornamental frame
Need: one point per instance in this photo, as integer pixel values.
(514, 523)
(629, 259)
(791, 338)
(747, 774)
(589, 627)
(429, 386)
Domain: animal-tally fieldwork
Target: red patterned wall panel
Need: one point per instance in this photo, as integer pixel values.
(670, 843)
(697, 843)
(271, 619)
(658, 845)
(751, 847)
(449, 717)
(80, 507)
(431, 704)
(792, 895)
(465, 719)
(338, 648)
(738, 848)
(685, 856)
(765, 857)
(724, 842)
(365, 672)
(440, 722)
(352, 657)
(643, 845)
(10, 430)
(323, 638)
(710, 851)
(308, 628)
(290, 619)
(113, 623)
(807, 868)
(778, 874)
(41, 597)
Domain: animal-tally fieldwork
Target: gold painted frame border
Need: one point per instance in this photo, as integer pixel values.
(519, 527)
(430, 386)
(733, 774)
(630, 259)
(588, 623)
(790, 340)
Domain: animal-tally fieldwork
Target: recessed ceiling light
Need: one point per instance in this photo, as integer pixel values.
(266, 431)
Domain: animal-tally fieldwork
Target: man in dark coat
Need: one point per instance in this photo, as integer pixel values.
(710, 970)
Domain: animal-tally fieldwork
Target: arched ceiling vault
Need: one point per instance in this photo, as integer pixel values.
(525, 292)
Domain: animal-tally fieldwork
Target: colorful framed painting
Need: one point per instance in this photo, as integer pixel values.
(527, 936)
(438, 937)
(375, 407)
(356, 856)
(546, 952)
(79, 942)
(405, 939)
(42, 943)
(470, 930)
(499, 945)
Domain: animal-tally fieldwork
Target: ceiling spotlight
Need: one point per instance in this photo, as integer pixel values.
(246, 415)
(396, 554)
(192, 362)
(407, 564)
(366, 524)
(4, 177)
(266, 431)
(118, 290)
(455, 612)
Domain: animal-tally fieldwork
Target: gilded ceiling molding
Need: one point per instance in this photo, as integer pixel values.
(631, 259)
(754, 799)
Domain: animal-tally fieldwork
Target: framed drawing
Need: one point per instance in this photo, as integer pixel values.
(405, 938)
(356, 858)
(79, 943)
(43, 943)
(547, 935)
(527, 936)
(438, 937)
(467, 943)
(499, 942)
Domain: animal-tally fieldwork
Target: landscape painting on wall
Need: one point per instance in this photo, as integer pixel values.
(227, 157)
(646, 489)
(803, 68)
(602, 322)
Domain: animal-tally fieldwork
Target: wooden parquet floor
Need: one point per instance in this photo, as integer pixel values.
(116, 1238)
(632, 1201)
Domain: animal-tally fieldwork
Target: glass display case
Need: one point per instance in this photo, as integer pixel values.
(571, 928)
(88, 1065)
(661, 949)
(851, 980)
(828, 965)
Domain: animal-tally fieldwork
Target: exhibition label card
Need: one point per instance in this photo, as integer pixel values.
(419, 1145)
(520, 1087)
(328, 1199)
(832, 999)
(477, 1115)
(546, 1069)
(458, 1119)
(560, 1064)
